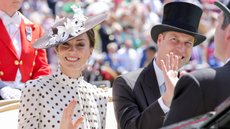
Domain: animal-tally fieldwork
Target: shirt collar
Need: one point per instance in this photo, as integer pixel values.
(16, 14)
(159, 74)
(227, 60)
(68, 81)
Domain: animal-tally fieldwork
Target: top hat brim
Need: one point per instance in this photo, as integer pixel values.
(157, 29)
(91, 22)
(222, 7)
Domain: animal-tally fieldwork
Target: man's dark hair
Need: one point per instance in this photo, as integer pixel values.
(226, 22)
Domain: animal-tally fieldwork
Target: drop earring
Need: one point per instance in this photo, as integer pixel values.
(88, 61)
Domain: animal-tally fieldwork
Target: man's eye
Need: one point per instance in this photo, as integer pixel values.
(174, 39)
(81, 45)
(188, 43)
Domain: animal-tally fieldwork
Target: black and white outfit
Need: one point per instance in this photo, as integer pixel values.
(44, 100)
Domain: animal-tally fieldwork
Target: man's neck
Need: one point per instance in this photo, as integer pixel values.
(9, 13)
(158, 62)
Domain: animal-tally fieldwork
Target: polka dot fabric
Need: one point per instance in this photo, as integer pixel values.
(44, 100)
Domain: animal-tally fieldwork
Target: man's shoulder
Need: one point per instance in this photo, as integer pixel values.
(28, 22)
(130, 78)
(205, 73)
(203, 76)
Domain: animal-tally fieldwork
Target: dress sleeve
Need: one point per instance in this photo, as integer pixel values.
(102, 104)
(29, 109)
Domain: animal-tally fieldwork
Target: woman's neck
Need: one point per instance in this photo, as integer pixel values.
(71, 73)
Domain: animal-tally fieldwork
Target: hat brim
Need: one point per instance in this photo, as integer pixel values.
(91, 22)
(157, 29)
(222, 7)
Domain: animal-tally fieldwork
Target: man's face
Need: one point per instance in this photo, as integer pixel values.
(219, 39)
(10, 6)
(179, 43)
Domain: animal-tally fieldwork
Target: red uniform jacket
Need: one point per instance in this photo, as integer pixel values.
(32, 63)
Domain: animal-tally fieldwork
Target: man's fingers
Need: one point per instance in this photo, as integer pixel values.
(78, 122)
(176, 63)
(167, 62)
(172, 60)
(163, 67)
(182, 73)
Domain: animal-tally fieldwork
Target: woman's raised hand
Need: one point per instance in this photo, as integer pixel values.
(66, 122)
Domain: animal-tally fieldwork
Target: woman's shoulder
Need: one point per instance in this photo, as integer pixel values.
(38, 82)
(99, 92)
(87, 84)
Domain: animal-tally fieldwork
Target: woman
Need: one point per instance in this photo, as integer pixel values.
(44, 101)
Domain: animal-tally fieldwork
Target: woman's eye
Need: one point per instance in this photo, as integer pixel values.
(65, 44)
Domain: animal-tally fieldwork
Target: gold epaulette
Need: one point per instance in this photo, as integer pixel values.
(26, 21)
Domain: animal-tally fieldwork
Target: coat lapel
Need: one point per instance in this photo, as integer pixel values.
(150, 84)
(24, 41)
(6, 40)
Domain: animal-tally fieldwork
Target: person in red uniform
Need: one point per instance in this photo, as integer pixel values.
(19, 61)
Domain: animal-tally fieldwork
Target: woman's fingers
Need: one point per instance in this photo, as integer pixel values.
(71, 107)
(78, 122)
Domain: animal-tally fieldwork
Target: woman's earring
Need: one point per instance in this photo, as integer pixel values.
(88, 60)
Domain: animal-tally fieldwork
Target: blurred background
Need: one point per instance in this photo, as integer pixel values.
(123, 41)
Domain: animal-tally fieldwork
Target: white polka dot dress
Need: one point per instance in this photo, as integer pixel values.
(44, 100)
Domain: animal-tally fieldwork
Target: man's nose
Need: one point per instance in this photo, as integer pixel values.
(181, 46)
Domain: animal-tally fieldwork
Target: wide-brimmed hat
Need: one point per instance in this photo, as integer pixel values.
(181, 17)
(224, 8)
(66, 29)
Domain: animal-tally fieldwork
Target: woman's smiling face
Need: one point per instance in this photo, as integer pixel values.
(74, 54)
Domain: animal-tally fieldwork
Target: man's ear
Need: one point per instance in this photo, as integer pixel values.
(227, 34)
(159, 39)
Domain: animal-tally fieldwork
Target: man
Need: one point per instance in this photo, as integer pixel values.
(137, 97)
(202, 91)
(19, 62)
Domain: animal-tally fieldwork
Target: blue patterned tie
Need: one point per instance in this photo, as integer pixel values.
(162, 88)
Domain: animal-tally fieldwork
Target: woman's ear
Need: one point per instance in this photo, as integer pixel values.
(90, 52)
(56, 49)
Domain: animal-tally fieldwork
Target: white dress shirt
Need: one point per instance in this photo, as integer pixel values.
(227, 60)
(11, 29)
(160, 80)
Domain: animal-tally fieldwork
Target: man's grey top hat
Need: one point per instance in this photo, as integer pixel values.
(224, 8)
(66, 29)
(180, 17)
